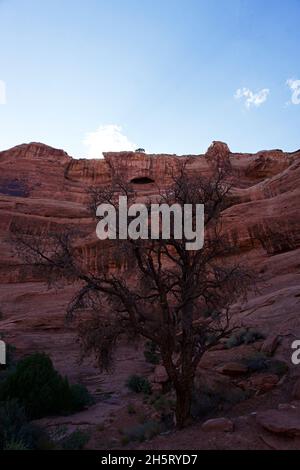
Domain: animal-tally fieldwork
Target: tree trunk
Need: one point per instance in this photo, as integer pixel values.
(184, 390)
(183, 406)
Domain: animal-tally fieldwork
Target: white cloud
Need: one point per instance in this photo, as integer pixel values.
(252, 99)
(294, 86)
(2, 92)
(108, 138)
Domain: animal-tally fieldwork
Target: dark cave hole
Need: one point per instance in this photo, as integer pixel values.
(142, 180)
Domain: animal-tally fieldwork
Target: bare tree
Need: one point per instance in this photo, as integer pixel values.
(178, 299)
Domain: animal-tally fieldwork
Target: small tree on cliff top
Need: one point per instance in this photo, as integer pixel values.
(178, 299)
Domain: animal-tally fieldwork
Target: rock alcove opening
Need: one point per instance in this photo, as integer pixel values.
(142, 180)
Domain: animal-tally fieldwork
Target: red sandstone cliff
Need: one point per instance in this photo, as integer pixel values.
(43, 189)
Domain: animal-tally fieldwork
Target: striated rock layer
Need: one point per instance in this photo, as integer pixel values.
(43, 189)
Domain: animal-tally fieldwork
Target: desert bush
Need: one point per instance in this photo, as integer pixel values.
(40, 389)
(81, 398)
(57, 433)
(12, 418)
(252, 336)
(139, 384)
(16, 431)
(35, 437)
(244, 336)
(163, 403)
(15, 445)
(203, 403)
(260, 362)
(131, 409)
(142, 432)
(209, 312)
(207, 401)
(124, 440)
(76, 440)
(278, 367)
(151, 353)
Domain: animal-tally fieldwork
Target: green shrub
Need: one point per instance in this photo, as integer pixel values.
(203, 403)
(210, 312)
(163, 404)
(139, 384)
(244, 336)
(210, 339)
(15, 445)
(151, 353)
(232, 342)
(12, 418)
(59, 432)
(131, 409)
(76, 441)
(81, 398)
(34, 437)
(15, 429)
(260, 362)
(40, 389)
(207, 401)
(142, 432)
(124, 440)
(278, 367)
(252, 336)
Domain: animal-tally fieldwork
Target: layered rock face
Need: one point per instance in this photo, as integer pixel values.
(43, 189)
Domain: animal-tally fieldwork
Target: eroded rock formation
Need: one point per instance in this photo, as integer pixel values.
(43, 189)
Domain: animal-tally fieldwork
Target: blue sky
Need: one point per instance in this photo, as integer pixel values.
(167, 75)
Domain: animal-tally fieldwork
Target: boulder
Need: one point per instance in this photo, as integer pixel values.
(264, 382)
(219, 425)
(270, 345)
(285, 422)
(160, 375)
(156, 387)
(233, 369)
